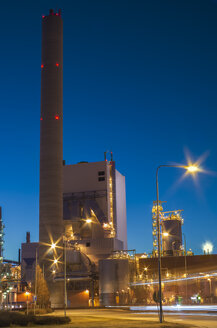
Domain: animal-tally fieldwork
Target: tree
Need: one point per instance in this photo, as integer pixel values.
(42, 292)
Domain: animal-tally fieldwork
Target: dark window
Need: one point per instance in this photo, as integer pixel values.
(101, 179)
(87, 244)
(101, 173)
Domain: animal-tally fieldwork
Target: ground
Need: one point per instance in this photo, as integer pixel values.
(107, 318)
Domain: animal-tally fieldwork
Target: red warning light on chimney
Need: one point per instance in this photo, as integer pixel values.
(57, 117)
(57, 64)
(41, 119)
(42, 66)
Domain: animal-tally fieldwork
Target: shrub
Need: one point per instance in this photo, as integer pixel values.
(41, 311)
(49, 320)
(15, 318)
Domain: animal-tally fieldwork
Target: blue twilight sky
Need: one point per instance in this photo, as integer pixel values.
(140, 78)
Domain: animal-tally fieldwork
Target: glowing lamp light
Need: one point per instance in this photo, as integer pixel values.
(27, 293)
(86, 291)
(55, 261)
(165, 234)
(192, 168)
(53, 246)
(207, 247)
(54, 271)
(88, 220)
(57, 117)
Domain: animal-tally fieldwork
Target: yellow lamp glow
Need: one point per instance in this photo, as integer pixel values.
(192, 168)
(55, 261)
(88, 220)
(53, 246)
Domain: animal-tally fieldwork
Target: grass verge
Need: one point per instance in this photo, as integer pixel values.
(101, 322)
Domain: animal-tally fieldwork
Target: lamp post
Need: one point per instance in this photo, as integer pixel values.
(27, 307)
(53, 246)
(210, 288)
(36, 263)
(190, 169)
(65, 290)
(186, 282)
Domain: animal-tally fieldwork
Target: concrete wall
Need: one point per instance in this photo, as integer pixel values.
(121, 208)
(28, 260)
(113, 280)
(83, 177)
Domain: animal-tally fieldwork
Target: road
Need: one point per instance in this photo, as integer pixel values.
(198, 319)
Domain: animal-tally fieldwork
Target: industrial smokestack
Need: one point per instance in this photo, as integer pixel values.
(51, 137)
(28, 237)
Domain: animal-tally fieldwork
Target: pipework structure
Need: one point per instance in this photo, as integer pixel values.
(170, 231)
(51, 138)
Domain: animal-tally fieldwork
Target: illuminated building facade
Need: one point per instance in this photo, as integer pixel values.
(190, 279)
(95, 193)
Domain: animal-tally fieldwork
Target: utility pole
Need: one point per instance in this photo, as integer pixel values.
(36, 264)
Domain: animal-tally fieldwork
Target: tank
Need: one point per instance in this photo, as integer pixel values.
(171, 237)
(113, 281)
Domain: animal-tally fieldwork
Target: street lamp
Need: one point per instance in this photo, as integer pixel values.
(210, 289)
(186, 282)
(27, 308)
(53, 246)
(191, 169)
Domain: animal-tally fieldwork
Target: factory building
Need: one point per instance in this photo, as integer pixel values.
(82, 215)
(82, 207)
(95, 191)
(29, 252)
(190, 279)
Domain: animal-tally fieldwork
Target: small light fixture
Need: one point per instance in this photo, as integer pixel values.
(192, 168)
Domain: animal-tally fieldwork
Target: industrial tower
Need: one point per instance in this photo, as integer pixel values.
(51, 143)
